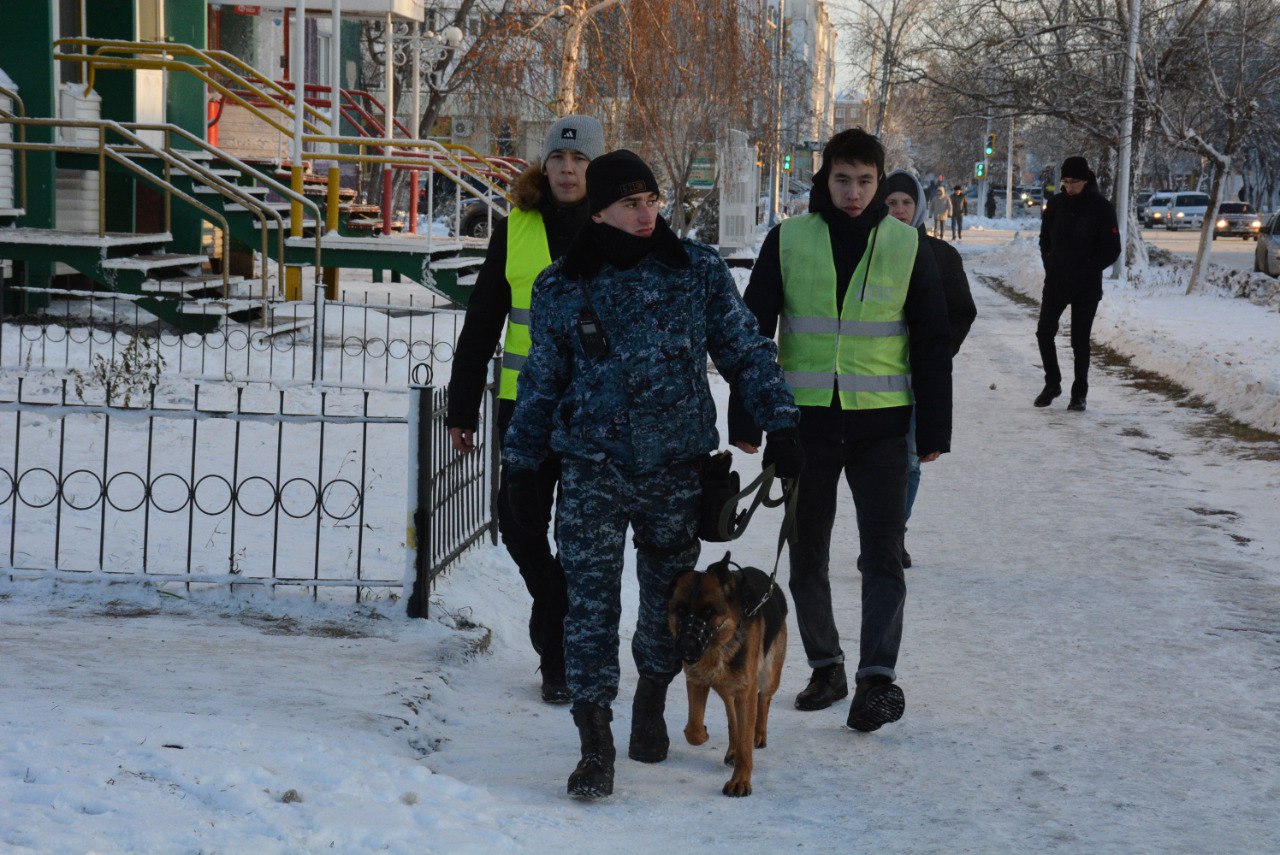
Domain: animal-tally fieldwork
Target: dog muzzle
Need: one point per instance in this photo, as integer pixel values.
(693, 637)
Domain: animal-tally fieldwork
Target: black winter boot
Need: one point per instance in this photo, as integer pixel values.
(555, 688)
(1047, 394)
(649, 742)
(827, 685)
(593, 778)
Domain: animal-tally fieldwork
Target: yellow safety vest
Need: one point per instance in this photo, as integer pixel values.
(860, 348)
(528, 254)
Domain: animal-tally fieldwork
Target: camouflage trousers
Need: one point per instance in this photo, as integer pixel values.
(597, 503)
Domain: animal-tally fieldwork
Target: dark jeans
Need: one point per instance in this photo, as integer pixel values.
(1082, 314)
(876, 471)
(957, 225)
(542, 572)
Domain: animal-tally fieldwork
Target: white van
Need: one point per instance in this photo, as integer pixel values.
(1187, 210)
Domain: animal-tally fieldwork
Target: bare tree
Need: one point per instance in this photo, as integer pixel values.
(680, 103)
(1209, 102)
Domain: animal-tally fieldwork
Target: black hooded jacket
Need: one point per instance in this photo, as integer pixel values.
(927, 326)
(487, 312)
(1079, 239)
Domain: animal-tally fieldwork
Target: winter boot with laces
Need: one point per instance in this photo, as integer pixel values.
(827, 685)
(649, 741)
(593, 778)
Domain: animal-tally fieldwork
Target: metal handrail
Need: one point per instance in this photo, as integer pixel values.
(275, 186)
(22, 134)
(105, 151)
(97, 60)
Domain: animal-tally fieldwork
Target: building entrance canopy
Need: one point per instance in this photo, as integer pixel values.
(412, 10)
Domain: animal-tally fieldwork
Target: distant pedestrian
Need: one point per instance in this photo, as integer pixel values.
(1079, 239)
(959, 207)
(991, 204)
(939, 210)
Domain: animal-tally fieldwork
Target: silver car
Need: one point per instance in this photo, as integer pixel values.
(1266, 255)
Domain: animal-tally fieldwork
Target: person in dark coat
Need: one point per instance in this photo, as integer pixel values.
(959, 207)
(905, 199)
(856, 301)
(991, 204)
(1079, 239)
(550, 207)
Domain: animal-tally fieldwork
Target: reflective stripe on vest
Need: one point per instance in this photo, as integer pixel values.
(861, 349)
(528, 254)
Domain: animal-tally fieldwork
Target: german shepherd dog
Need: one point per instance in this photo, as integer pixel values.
(726, 647)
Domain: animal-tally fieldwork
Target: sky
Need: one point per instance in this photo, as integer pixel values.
(1089, 658)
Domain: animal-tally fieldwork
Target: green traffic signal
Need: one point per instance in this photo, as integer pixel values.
(786, 163)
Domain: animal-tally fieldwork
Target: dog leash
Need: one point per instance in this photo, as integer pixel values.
(731, 527)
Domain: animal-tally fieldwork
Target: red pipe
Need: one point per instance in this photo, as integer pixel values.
(413, 202)
(386, 201)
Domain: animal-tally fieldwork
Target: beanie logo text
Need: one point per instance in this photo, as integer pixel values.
(569, 134)
(632, 187)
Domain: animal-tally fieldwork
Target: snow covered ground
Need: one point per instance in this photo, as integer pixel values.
(1090, 659)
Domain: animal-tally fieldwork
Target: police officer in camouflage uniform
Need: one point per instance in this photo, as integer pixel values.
(616, 384)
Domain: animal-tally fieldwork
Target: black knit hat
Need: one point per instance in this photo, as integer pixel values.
(1076, 167)
(615, 176)
(900, 182)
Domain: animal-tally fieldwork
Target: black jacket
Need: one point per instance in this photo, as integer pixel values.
(487, 313)
(955, 285)
(927, 325)
(1079, 239)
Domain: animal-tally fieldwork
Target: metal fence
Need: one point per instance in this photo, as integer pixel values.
(214, 485)
(363, 343)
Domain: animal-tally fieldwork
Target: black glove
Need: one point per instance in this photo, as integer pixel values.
(783, 451)
(523, 501)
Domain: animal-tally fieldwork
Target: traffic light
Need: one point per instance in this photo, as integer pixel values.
(991, 145)
(786, 163)
(979, 170)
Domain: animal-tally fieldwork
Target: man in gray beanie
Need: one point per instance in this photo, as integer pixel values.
(549, 208)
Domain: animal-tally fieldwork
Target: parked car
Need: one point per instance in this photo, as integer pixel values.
(1237, 219)
(1266, 255)
(1157, 209)
(1187, 210)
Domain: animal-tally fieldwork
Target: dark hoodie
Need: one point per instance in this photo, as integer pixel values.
(1079, 238)
(927, 326)
(490, 304)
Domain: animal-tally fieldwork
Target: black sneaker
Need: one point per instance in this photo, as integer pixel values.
(1046, 396)
(826, 686)
(877, 701)
(906, 559)
(1076, 405)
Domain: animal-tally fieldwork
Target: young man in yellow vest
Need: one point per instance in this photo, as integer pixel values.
(550, 208)
(863, 336)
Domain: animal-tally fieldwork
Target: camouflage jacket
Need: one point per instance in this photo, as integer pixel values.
(647, 404)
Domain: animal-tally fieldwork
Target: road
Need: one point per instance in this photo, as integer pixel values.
(1234, 253)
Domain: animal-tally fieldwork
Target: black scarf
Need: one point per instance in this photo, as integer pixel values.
(599, 244)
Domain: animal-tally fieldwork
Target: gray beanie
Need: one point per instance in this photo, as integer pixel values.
(577, 133)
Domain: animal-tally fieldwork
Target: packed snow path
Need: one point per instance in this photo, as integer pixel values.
(1091, 661)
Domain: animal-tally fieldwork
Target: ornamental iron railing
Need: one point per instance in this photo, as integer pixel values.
(214, 485)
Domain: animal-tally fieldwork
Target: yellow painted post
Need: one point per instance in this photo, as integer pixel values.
(293, 273)
(331, 228)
